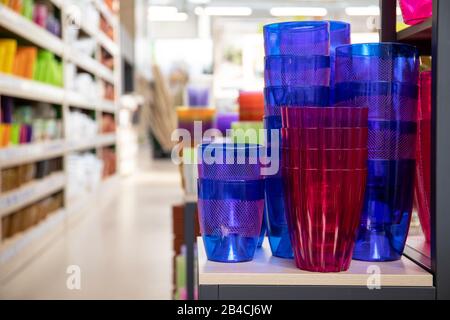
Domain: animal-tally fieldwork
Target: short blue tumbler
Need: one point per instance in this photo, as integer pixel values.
(230, 200)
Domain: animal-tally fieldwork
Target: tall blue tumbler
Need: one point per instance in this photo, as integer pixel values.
(383, 77)
(275, 211)
(339, 35)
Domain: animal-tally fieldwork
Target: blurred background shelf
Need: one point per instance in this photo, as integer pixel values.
(14, 200)
(30, 31)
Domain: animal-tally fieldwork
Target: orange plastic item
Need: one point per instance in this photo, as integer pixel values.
(25, 61)
(5, 135)
(251, 99)
(192, 114)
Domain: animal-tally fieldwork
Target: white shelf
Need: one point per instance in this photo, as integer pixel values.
(32, 192)
(30, 31)
(267, 270)
(57, 3)
(99, 141)
(29, 89)
(75, 99)
(26, 153)
(91, 65)
(108, 106)
(107, 43)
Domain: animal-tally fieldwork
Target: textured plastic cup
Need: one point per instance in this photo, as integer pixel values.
(318, 117)
(416, 11)
(390, 62)
(392, 140)
(229, 162)
(286, 96)
(385, 100)
(339, 35)
(275, 215)
(422, 188)
(386, 214)
(327, 138)
(299, 38)
(297, 71)
(324, 158)
(230, 216)
(323, 209)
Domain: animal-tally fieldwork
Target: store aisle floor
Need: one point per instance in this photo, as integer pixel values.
(123, 250)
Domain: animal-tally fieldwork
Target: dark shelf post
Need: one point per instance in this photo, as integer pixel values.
(440, 175)
(388, 31)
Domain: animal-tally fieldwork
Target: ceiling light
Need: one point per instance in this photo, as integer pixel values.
(199, 1)
(165, 13)
(224, 11)
(363, 11)
(161, 10)
(298, 11)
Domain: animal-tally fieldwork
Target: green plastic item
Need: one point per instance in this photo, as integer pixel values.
(28, 9)
(248, 132)
(15, 134)
(180, 269)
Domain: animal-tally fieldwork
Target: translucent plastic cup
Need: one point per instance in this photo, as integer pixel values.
(326, 138)
(390, 62)
(331, 117)
(297, 71)
(386, 214)
(230, 215)
(323, 210)
(325, 158)
(299, 38)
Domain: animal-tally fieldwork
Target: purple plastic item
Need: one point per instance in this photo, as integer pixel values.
(224, 121)
(198, 97)
(376, 62)
(7, 105)
(299, 38)
(53, 26)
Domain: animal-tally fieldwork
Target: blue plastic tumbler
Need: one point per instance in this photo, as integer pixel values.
(275, 214)
(230, 200)
(339, 35)
(299, 38)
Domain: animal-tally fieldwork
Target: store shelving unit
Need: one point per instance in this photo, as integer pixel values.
(35, 91)
(416, 275)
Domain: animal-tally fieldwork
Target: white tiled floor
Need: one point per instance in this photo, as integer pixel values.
(124, 250)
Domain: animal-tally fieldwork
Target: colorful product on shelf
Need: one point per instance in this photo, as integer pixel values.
(251, 105)
(8, 49)
(187, 117)
(339, 35)
(224, 121)
(388, 87)
(416, 11)
(25, 61)
(324, 172)
(230, 200)
(247, 132)
(198, 96)
(323, 151)
(422, 188)
(48, 69)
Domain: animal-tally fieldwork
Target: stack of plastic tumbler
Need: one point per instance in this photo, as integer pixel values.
(230, 200)
(324, 149)
(383, 77)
